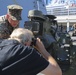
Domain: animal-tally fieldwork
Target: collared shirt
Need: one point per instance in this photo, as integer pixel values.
(18, 59)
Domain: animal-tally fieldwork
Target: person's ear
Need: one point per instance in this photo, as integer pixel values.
(27, 43)
(7, 16)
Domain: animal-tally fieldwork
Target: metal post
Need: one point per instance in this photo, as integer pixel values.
(38, 4)
(68, 20)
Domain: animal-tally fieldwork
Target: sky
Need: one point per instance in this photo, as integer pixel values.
(47, 0)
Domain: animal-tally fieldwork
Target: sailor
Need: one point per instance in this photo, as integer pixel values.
(10, 21)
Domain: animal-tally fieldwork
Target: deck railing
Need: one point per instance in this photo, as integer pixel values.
(61, 11)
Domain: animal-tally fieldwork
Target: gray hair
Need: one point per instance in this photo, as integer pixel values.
(22, 35)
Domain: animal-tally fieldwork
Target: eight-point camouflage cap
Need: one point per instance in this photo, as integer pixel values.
(36, 13)
(15, 11)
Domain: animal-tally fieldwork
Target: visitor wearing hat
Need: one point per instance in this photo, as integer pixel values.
(10, 21)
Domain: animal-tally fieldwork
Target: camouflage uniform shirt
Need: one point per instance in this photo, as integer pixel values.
(5, 27)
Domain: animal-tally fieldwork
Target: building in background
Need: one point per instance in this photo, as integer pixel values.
(64, 10)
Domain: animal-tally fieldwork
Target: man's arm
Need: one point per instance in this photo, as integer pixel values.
(53, 68)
